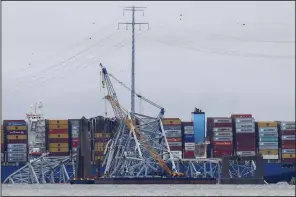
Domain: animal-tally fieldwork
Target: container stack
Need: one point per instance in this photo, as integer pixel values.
(287, 132)
(268, 140)
(16, 133)
(173, 131)
(244, 135)
(220, 135)
(74, 131)
(2, 144)
(188, 140)
(58, 137)
(102, 135)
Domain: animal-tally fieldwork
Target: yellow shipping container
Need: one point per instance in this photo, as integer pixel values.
(267, 124)
(171, 121)
(269, 152)
(57, 126)
(58, 150)
(58, 136)
(17, 137)
(99, 158)
(288, 156)
(58, 122)
(100, 146)
(16, 128)
(102, 135)
(58, 145)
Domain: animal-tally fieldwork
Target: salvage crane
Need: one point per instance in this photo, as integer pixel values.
(142, 141)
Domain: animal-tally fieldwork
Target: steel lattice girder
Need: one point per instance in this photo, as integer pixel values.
(44, 169)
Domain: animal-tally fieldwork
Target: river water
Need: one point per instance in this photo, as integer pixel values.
(281, 189)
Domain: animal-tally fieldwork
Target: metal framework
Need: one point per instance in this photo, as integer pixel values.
(44, 169)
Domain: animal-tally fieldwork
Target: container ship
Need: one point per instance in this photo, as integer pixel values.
(237, 135)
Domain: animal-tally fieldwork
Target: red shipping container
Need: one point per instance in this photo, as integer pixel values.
(58, 154)
(285, 132)
(58, 131)
(75, 139)
(23, 132)
(17, 141)
(288, 142)
(220, 125)
(174, 139)
(288, 146)
(245, 136)
(74, 144)
(241, 115)
(179, 148)
(220, 153)
(58, 140)
(220, 143)
(188, 154)
(223, 147)
(288, 160)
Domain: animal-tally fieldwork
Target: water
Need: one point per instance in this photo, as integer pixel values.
(148, 190)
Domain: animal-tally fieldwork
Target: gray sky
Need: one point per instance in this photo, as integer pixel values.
(208, 59)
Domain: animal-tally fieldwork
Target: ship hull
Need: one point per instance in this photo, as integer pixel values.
(273, 172)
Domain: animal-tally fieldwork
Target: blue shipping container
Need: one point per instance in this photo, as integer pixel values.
(199, 127)
(189, 138)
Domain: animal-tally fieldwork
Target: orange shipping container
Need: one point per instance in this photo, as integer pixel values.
(269, 152)
(58, 149)
(58, 122)
(226, 143)
(102, 135)
(16, 128)
(174, 139)
(17, 137)
(267, 124)
(58, 136)
(171, 121)
(288, 156)
(58, 126)
(58, 145)
(58, 131)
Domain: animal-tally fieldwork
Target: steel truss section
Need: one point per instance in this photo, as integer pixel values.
(129, 153)
(45, 169)
(242, 169)
(200, 168)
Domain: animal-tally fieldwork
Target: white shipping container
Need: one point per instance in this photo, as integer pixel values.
(16, 150)
(175, 143)
(188, 128)
(244, 120)
(288, 128)
(189, 144)
(23, 146)
(288, 151)
(189, 132)
(245, 130)
(245, 153)
(189, 148)
(270, 156)
(244, 125)
(21, 155)
(268, 129)
(177, 154)
(226, 134)
(288, 123)
(288, 137)
(217, 139)
(222, 120)
(222, 129)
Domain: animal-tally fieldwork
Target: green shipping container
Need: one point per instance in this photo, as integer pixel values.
(269, 139)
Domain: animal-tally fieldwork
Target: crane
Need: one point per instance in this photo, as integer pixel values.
(120, 152)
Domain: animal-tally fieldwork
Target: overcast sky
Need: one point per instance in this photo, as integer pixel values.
(221, 57)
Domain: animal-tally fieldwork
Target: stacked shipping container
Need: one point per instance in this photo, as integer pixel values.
(58, 137)
(188, 140)
(16, 133)
(101, 139)
(173, 131)
(288, 143)
(219, 132)
(244, 135)
(74, 132)
(268, 140)
(2, 144)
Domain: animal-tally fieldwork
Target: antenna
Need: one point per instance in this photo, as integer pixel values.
(133, 9)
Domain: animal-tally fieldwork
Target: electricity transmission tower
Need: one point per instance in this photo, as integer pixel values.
(133, 9)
